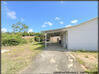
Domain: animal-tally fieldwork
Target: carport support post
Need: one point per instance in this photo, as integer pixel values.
(45, 40)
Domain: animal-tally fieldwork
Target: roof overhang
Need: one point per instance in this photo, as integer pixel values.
(55, 30)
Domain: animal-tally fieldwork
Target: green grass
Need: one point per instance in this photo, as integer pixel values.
(86, 51)
(94, 69)
(80, 61)
(86, 56)
(19, 57)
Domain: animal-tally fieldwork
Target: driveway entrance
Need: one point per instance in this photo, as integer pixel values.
(52, 60)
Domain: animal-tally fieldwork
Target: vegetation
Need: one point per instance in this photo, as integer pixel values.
(21, 50)
(28, 34)
(11, 39)
(19, 27)
(19, 57)
(15, 38)
(89, 59)
(80, 61)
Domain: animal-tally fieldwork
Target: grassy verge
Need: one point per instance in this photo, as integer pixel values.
(19, 57)
(88, 59)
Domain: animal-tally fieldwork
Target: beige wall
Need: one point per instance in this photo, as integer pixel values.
(54, 39)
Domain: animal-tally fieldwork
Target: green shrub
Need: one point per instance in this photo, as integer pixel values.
(37, 38)
(11, 39)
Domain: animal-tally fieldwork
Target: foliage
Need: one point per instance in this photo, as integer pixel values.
(28, 34)
(19, 27)
(19, 58)
(11, 39)
(15, 37)
(31, 33)
(80, 61)
(39, 37)
(31, 40)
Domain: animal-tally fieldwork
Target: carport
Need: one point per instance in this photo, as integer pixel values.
(56, 37)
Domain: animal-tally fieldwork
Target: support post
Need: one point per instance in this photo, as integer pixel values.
(45, 40)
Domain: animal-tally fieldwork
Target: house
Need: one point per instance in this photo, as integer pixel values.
(79, 37)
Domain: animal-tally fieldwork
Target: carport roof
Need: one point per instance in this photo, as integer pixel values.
(55, 30)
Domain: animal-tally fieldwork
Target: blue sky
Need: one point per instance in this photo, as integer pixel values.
(45, 15)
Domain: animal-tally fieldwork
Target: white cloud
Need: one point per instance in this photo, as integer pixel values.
(68, 25)
(12, 14)
(22, 19)
(43, 25)
(48, 23)
(61, 22)
(57, 18)
(74, 21)
(3, 30)
(30, 30)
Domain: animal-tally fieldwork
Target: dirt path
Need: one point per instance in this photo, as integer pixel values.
(53, 60)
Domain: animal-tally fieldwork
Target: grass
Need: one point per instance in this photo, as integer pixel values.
(80, 61)
(19, 57)
(86, 56)
(89, 59)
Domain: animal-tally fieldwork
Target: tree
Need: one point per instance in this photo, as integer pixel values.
(19, 27)
(24, 27)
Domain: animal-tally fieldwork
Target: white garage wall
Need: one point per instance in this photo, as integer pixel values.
(84, 36)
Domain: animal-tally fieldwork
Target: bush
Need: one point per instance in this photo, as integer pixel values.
(12, 39)
(37, 38)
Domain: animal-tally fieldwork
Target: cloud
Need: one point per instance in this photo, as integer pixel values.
(68, 25)
(12, 14)
(22, 19)
(74, 21)
(48, 23)
(3, 30)
(61, 22)
(30, 30)
(43, 25)
(57, 18)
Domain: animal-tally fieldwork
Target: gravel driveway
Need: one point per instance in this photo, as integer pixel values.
(53, 59)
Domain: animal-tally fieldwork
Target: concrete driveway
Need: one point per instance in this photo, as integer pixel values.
(53, 59)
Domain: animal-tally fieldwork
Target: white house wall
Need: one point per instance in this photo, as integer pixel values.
(84, 36)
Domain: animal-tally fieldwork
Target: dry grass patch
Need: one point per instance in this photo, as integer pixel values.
(88, 59)
(18, 57)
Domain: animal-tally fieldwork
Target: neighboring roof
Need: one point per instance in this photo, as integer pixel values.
(64, 29)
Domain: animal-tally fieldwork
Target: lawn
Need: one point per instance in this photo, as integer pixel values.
(88, 60)
(19, 57)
